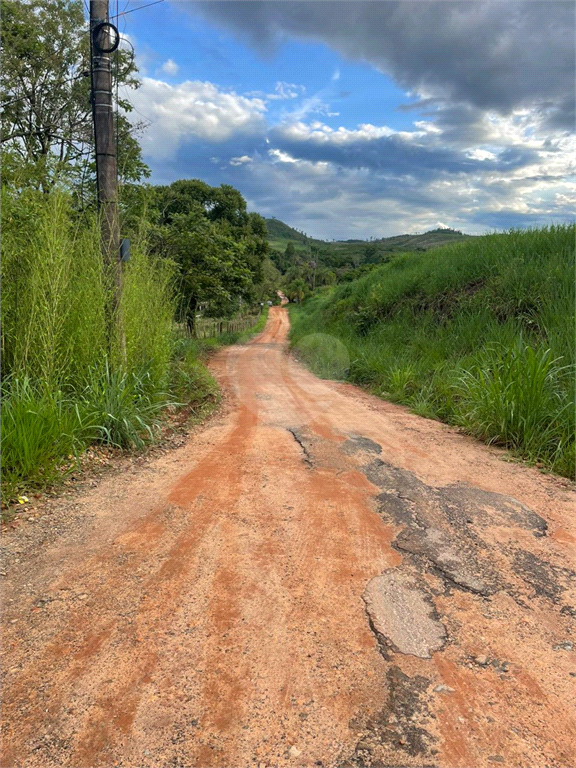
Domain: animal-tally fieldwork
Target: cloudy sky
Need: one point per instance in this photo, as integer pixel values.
(359, 119)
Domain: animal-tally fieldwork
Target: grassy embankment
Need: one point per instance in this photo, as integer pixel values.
(479, 334)
(65, 384)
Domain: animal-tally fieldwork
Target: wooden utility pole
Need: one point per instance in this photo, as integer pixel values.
(103, 41)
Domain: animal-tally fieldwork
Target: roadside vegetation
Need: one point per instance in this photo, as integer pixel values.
(304, 263)
(76, 370)
(479, 334)
(66, 384)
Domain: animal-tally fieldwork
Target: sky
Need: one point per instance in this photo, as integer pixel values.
(363, 119)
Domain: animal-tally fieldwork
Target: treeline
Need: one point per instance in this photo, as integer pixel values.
(77, 369)
(307, 264)
(218, 249)
(478, 334)
(305, 269)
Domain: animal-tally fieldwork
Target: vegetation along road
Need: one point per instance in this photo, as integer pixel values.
(316, 577)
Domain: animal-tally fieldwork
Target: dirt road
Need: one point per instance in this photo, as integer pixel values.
(316, 577)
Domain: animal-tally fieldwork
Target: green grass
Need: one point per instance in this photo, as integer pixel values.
(65, 382)
(40, 432)
(479, 334)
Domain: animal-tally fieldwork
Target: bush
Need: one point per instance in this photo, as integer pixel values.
(53, 322)
(518, 397)
(191, 382)
(123, 407)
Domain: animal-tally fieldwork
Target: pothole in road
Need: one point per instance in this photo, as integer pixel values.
(403, 616)
(453, 560)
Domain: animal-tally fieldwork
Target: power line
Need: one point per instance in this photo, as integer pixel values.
(141, 113)
(140, 7)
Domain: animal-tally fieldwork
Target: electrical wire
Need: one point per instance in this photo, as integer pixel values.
(140, 7)
(148, 119)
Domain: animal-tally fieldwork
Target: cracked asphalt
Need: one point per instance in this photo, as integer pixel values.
(316, 577)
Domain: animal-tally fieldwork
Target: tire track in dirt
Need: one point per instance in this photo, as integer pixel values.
(209, 611)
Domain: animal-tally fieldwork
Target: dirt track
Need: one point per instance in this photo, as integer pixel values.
(210, 607)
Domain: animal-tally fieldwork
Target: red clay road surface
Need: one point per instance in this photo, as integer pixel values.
(316, 577)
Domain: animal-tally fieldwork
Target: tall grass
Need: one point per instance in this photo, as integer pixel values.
(479, 334)
(64, 385)
(53, 324)
(40, 430)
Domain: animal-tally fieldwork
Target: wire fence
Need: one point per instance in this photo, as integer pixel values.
(209, 328)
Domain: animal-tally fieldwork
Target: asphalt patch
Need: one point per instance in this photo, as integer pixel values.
(400, 725)
(402, 615)
(454, 559)
(357, 443)
(545, 579)
(463, 502)
(400, 482)
(400, 510)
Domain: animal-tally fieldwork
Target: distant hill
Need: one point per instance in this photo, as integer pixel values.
(277, 230)
(431, 239)
(279, 234)
(346, 255)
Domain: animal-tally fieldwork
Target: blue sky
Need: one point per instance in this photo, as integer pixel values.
(360, 119)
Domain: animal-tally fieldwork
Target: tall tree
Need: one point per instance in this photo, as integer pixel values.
(46, 113)
(218, 246)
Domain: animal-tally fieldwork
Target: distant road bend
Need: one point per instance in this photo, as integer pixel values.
(316, 578)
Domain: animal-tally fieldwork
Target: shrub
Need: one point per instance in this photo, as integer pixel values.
(517, 397)
(65, 383)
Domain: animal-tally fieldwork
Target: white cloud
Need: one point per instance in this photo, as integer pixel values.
(523, 57)
(491, 145)
(193, 109)
(286, 91)
(320, 132)
(281, 157)
(169, 67)
(481, 154)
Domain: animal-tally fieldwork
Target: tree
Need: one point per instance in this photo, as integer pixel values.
(325, 276)
(271, 279)
(371, 254)
(46, 119)
(296, 290)
(219, 247)
(312, 274)
(210, 265)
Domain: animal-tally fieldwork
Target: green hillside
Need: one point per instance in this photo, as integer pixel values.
(277, 230)
(479, 333)
(431, 239)
(306, 263)
(351, 254)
